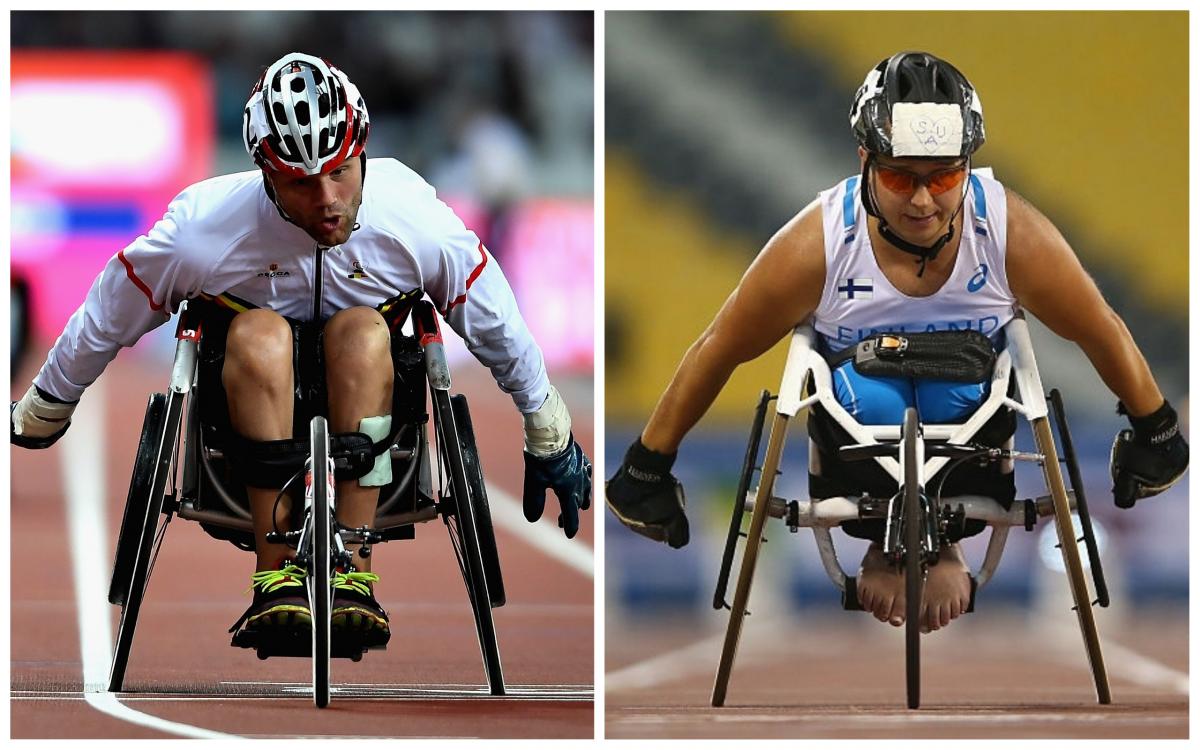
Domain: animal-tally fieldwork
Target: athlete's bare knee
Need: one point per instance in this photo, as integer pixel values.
(258, 348)
(357, 340)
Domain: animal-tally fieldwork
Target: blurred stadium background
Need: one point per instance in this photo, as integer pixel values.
(113, 113)
(721, 126)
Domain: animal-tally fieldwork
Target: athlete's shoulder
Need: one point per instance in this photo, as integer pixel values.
(220, 200)
(796, 254)
(394, 174)
(401, 203)
(208, 218)
(1027, 226)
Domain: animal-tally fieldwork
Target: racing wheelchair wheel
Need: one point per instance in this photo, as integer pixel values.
(754, 540)
(320, 575)
(137, 498)
(465, 533)
(1068, 545)
(140, 536)
(479, 501)
(913, 573)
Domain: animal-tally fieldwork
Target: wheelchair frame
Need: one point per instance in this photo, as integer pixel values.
(909, 454)
(156, 494)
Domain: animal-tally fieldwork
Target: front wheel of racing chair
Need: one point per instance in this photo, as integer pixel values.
(914, 567)
(320, 519)
(152, 493)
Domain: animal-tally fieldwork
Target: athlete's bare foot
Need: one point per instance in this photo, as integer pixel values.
(947, 589)
(881, 587)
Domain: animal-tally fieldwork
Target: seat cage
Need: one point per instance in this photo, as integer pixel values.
(806, 371)
(208, 497)
(805, 366)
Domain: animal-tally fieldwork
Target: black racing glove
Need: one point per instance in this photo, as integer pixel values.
(1149, 458)
(647, 498)
(569, 474)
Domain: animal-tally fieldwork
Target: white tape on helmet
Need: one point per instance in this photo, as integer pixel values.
(926, 129)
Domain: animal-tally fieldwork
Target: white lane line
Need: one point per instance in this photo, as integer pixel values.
(507, 512)
(734, 715)
(1143, 670)
(84, 481)
(1121, 661)
(452, 692)
(702, 657)
(306, 693)
(674, 665)
(459, 687)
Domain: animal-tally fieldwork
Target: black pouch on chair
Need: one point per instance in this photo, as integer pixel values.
(958, 356)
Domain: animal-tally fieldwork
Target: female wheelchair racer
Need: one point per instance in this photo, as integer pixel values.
(982, 253)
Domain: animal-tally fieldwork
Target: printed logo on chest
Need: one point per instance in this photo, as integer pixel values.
(273, 272)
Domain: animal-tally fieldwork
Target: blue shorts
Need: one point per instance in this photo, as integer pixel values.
(883, 401)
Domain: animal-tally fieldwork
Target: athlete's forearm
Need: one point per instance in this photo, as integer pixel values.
(1120, 364)
(701, 375)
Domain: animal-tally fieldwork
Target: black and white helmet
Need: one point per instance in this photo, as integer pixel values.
(914, 104)
(304, 117)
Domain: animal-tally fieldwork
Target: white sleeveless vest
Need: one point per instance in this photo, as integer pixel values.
(858, 300)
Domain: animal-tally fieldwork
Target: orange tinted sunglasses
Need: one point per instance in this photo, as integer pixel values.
(905, 182)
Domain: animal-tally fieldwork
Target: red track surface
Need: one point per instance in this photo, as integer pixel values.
(841, 675)
(183, 669)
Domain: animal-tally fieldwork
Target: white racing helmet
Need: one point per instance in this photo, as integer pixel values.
(304, 117)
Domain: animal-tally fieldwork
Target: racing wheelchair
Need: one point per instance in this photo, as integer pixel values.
(184, 468)
(920, 505)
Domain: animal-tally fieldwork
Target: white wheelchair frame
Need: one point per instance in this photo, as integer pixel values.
(807, 370)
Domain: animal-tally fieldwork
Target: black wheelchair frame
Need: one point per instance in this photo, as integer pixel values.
(176, 473)
(916, 526)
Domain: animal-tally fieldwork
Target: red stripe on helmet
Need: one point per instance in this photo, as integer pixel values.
(138, 282)
(275, 162)
(470, 280)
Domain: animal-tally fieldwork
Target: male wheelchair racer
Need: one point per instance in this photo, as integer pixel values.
(910, 488)
(190, 468)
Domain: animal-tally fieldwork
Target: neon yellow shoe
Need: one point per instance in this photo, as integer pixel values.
(280, 600)
(356, 613)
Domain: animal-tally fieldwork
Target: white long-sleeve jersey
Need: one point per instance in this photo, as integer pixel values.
(223, 238)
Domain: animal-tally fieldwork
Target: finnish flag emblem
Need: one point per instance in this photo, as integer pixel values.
(856, 289)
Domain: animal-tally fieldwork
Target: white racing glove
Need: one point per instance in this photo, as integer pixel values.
(38, 421)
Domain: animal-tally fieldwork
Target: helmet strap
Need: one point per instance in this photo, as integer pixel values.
(924, 254)
(270, 189)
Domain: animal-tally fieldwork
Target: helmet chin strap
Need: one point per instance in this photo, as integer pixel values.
(924, 254)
